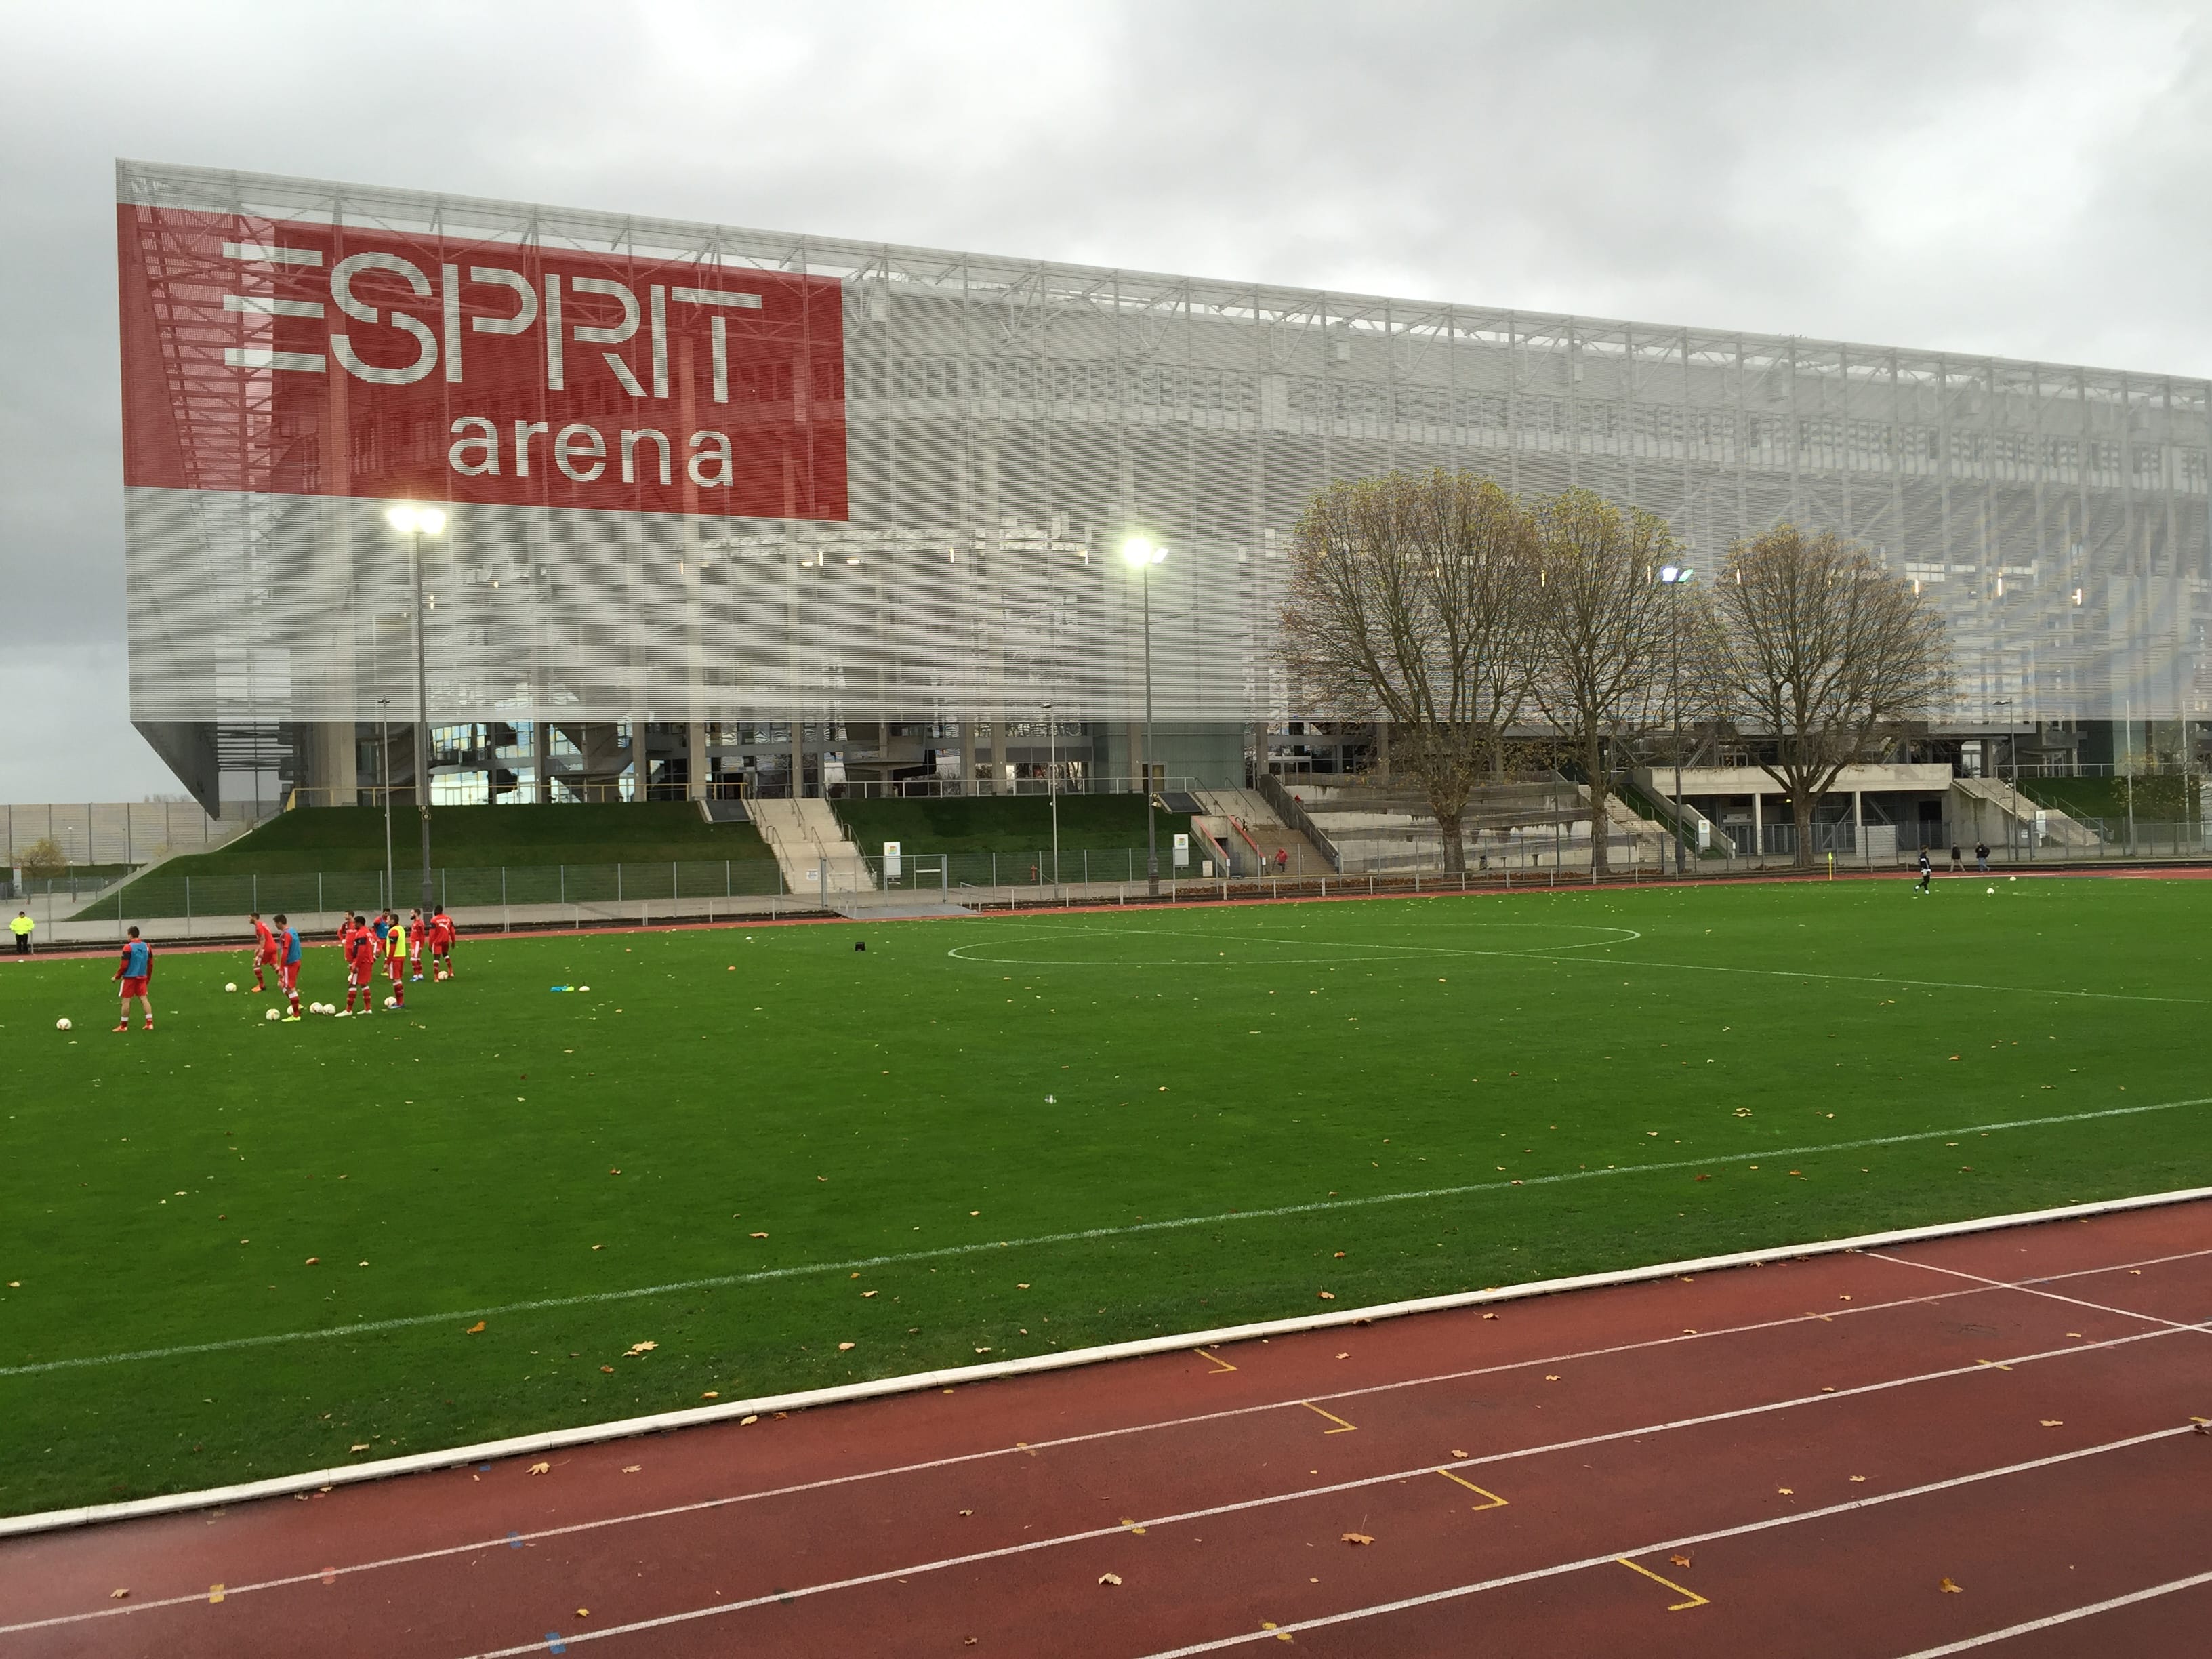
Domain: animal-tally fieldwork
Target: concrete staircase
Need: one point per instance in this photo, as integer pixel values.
(1249, 825)
(1984, 809)
(810, 848)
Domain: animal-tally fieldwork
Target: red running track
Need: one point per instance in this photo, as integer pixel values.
(1800, 1458)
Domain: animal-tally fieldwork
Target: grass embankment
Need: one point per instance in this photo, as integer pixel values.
(1670, 1072)
(476, 837)
(2160, 800)
(1021, 825)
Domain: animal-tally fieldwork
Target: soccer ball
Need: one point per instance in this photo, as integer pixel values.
(441, 977)
(583, 987)
(271, 1013)
(61, 1026)
(393, 1002)
(232, 985)
(1992, 889)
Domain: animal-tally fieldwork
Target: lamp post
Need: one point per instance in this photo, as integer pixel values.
(1052, 786)
(415, 523)
(1142, 555)
(1674, 576)
(384, 747)
(2012, 747)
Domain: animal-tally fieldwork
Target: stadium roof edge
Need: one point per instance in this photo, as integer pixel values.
(1531, 328)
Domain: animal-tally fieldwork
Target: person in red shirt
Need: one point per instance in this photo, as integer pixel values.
(360, 967)
(264, 950)
(441, 942)
(415, 941)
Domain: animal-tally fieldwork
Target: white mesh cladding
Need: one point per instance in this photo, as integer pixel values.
(1011, 424)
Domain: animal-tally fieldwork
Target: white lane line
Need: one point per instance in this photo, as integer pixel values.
(862, 1580)
(2074, 1301)
(1319, 1206)
(925, 1465)
(2065, 1618)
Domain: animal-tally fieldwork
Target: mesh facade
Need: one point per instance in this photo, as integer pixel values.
(931, 460)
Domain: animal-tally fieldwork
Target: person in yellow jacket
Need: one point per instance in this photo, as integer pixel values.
(395, 957)
(20, 927)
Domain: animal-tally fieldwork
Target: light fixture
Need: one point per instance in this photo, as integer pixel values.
(852, 562)
(420, 520)
(1138, 552)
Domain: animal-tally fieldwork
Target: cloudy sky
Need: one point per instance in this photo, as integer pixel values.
(2021, 178)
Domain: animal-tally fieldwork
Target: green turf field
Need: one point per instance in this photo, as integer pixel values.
(1020, 825)
(1215, 1099)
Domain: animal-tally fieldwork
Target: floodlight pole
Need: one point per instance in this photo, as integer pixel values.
(384, 749)
(1052, 786)
(421, 725)
(1151, 834)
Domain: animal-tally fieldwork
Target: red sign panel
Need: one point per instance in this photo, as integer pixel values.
(331, 360)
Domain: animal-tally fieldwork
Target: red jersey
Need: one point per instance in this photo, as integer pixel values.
(264, 938)
(442, 932)
(361, 952)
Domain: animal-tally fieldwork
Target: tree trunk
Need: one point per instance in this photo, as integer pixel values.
(1593, 763)
(1801, 809)
(1454, 852)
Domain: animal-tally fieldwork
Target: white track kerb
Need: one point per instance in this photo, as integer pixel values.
(659, 1422)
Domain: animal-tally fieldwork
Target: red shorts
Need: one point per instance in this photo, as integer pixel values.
(398, 966)
(287, 976)
(265, 958)
(135, 987)
(360, 977)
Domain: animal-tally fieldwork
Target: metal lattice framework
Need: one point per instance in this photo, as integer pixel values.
(1008, 424)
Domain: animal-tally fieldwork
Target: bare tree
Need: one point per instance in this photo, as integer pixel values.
(1825, 654)
(1604, 620)
(1410, 601)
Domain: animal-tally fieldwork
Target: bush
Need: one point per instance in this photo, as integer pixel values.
(43, 859)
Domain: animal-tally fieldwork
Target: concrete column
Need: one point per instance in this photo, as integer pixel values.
(696, 759)
(1758, 824)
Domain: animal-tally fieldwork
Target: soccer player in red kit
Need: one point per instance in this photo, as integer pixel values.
(415, 943)
(135, 971)
(264, 950)
(361, 968)
(287, 957)
(441, 942)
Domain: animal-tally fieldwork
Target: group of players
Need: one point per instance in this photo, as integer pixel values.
(364, 941)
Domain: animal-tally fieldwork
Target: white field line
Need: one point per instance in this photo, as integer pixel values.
(624, 1428)
(672, 1511)
(1552, 954)
(2071, 1301)
(1563, 1567)
(2065, 1618)
(1319, 1206)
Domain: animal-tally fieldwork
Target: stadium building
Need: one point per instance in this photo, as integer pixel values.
(726, 510)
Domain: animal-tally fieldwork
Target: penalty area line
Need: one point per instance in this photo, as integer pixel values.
(766, 1275)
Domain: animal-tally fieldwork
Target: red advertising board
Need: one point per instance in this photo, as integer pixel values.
(293, 358)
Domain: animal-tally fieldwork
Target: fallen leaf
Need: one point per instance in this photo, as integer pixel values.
(363, 1447)
(643, 1347)
(1680, 1559)
(1787, 1492)
(312, 1259)
(844, 1347)
(606, 1368)
(712, 1394)
(1856, 1479)
(760, 1234)
(1358, 1538)
(967, 1512)
(1339, 1256)
(1019, 1287)
(1946, 1586)
(982, 1351)
(1110, 1577)
(744, 1420)
(1328, 1295)
(541, 1469)
(632, 1469)
(117, 1595)
(614, 1172)
(1457, 1452)
(865, 1295)
(583, 1612)
(1490, 1316)
(474, 1328)
(2054, 1422)
(1551, 1379)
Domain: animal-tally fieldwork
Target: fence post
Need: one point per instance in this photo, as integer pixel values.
(188, 907)
(505, 922)
(321, 908)
(617, 882)
(564, 884)
(257, 893)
